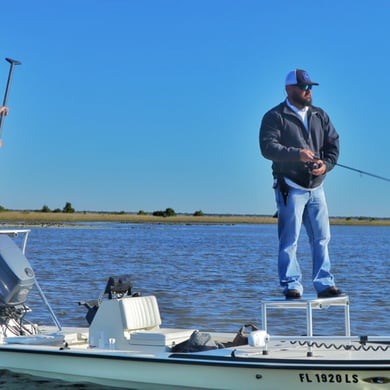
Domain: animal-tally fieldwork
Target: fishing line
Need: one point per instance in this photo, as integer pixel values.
(363, 172)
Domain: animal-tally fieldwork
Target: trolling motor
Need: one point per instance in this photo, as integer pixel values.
(116, 287)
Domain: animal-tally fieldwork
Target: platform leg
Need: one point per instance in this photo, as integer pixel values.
(347, 320)
(264, 316)
(309, 330)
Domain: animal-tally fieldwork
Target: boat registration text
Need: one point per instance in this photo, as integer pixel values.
(328, 378)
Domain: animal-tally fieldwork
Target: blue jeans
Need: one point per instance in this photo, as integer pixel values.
(309, 208)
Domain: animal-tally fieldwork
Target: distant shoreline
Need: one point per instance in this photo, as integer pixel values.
(50, 218)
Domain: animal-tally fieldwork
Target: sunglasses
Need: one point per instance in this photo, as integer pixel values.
(304, 87)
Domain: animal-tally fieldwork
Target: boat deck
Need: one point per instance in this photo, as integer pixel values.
(315, 349)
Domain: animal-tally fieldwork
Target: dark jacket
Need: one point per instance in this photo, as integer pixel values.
(282, 135)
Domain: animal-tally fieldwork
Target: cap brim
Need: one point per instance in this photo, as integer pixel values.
(308, 83)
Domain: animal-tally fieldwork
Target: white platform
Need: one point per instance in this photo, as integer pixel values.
(308, 304)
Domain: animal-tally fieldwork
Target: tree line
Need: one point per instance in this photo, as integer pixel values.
(68, 209)
(168, 212)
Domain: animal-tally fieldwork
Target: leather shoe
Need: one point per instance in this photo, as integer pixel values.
(331, 292)
(292, 294)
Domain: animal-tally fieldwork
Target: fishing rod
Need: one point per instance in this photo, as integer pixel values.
(11, 70)
(363, 172)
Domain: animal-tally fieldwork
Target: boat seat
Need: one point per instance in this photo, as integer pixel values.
(140, 313)
(132, 321)
(141, 320)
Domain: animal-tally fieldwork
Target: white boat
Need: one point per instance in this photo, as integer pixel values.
(126, 346)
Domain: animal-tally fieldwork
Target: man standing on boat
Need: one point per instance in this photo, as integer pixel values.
(303, 145)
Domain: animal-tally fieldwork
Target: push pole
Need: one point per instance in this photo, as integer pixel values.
(11, 70)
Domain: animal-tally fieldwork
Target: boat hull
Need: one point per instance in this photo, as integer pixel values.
(192, 371)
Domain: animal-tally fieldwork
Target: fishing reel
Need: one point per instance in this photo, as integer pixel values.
(312, 165)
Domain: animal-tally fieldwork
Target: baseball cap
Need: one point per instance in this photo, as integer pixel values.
(299, 76)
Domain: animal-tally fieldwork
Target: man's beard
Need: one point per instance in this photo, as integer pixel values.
(301, 100)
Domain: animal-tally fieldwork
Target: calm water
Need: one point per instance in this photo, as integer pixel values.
(209, 277)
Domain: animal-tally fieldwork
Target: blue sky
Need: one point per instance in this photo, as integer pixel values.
(125, 105)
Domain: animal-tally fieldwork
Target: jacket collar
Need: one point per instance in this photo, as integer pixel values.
(287, 110)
